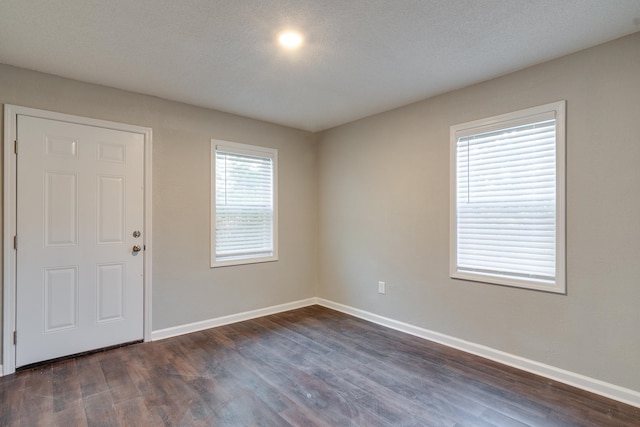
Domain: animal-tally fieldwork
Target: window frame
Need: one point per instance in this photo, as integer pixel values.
(251, 150)
(505, 121)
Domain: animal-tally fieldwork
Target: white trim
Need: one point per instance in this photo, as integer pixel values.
(232, 318)
(612, 391)
(148, 236)
(9, 230)
(251, 150)
(555, 110)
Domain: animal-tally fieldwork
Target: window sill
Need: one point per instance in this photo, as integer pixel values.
(531, 284)
(243, 261)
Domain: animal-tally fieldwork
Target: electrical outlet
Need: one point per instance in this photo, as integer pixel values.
(382, 288)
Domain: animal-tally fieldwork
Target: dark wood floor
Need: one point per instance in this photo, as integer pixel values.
(307, 367)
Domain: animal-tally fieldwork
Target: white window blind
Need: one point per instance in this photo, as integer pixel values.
(506, 178)
(244, 204)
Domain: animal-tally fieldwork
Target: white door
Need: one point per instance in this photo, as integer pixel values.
(80, 204)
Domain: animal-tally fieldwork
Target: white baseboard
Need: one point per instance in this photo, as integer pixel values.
(225, 320)
(612, 391)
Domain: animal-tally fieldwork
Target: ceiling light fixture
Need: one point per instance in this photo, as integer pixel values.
(290, 39)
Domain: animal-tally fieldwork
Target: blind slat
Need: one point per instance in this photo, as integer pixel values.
(244, 205)
(506, 201)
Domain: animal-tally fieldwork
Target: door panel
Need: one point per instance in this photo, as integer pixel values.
(110, 292)
(79, 200)
(60, 209)
(111, 212)
(60, 298)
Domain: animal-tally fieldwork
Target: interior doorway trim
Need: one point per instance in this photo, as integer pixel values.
(11, 113)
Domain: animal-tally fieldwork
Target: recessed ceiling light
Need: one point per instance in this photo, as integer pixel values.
(290, 39)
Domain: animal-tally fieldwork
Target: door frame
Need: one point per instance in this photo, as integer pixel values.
(9, 306)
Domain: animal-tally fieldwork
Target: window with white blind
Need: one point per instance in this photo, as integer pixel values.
(243, 204)
(507, 199)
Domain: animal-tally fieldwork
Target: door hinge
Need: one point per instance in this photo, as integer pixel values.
(15, 242)
(15, 337)
(15, 146)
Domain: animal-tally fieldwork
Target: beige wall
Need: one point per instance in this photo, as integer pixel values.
(384, 215)
(378, 192)
(185, 288)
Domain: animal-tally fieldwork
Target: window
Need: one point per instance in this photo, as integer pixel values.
(244, 219)
(507, 199)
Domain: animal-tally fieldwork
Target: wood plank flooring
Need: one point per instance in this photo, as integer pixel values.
(306, 367)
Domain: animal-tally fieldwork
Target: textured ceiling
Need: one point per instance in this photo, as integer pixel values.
(360, 57)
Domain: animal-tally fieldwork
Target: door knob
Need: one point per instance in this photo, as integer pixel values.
(136, 248)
